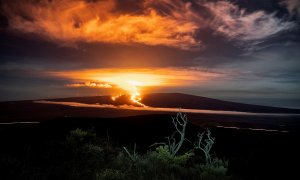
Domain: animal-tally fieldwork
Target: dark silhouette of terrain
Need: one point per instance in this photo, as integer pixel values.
(252, 154)
(198, 102)
(22, 111)
(175, 100)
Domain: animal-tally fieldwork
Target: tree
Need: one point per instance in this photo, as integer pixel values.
(205, 147)
(180, 122)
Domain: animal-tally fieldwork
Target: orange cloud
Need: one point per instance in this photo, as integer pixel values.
(68, 21)
(90, 84)
(129, 78)
(171, 23)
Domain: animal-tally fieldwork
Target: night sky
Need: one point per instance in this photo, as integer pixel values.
(240, 50)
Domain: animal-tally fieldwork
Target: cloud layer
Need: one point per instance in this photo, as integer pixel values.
(237, 23)
(293, 6)
(141, 77)
(160, 22)
(98, 21)
(90, 84)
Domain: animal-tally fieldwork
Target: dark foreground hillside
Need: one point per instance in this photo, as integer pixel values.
(95, 151)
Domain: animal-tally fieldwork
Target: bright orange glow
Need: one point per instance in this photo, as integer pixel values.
(134, 81)
(67, 21)
(116, 97)
(131, 86)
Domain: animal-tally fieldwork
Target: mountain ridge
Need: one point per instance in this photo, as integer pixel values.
(180, 100)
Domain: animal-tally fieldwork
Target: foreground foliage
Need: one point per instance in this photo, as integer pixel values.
(83, 155)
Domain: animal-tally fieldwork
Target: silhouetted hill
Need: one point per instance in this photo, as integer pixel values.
(176, 100)
(26, 111)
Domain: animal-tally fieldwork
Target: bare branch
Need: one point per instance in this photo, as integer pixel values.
(209, 141)
(180, 122)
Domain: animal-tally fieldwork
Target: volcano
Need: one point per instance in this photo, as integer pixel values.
(179, 100)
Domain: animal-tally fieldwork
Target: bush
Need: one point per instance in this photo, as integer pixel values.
(78, 137)
(163, 153)
(166, 163)
(83, 156)
(215, 170)
(110, 174)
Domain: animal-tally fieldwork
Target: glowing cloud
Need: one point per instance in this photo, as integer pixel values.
(172, 23)
(98, 21)
(134, 81)
(90, 84)
(140, 77)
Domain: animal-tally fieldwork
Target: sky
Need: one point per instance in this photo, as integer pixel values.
(239, 50)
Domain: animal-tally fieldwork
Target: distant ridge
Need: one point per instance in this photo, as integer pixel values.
(176, 100)
(198, 102)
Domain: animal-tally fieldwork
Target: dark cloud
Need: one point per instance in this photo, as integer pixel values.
(43, 54)
(129, 6)
(3, 21)
(293, 6)
(269, 6)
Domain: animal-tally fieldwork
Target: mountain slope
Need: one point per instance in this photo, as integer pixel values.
(197, 102)
(178, 100)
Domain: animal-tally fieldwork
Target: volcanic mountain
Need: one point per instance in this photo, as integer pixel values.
(178, 100)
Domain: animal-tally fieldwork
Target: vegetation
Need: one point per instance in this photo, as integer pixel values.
(83, 155)
(205, 147)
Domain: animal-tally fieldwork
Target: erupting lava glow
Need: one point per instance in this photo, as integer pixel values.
(132, 89)
(116, 97)
(131, 84)
(134, 82)
(135, 95)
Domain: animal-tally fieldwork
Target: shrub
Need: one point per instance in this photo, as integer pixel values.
(79, 137)
(110, 174)
(215, 170)
(217, 166)
(163, 153)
